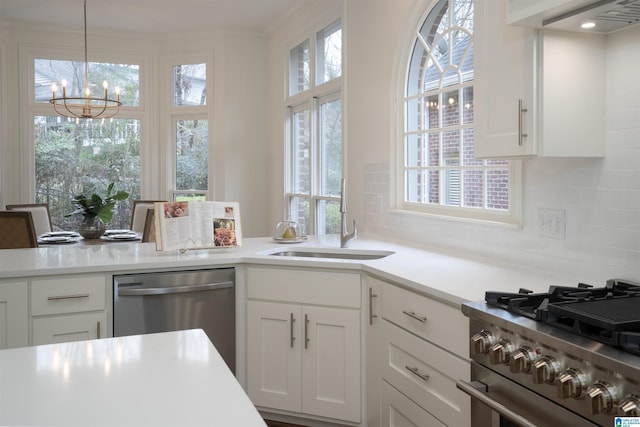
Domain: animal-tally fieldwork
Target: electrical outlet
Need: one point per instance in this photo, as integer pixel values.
(552, 223)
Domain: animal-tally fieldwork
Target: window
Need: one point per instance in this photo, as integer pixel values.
(439, 171)
(83, 156)
(190, 134)
(314, 152)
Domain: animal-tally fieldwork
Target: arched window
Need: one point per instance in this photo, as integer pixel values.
(439, 171)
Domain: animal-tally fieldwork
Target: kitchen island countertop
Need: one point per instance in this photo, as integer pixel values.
(452, 278)
(165, 379)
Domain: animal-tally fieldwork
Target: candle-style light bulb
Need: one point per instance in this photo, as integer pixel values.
(105, 84)
(64, 83)
(54, 89)
(87, 91)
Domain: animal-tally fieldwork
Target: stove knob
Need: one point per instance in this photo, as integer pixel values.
(602, 398)
(545, 370)
(500, 352)
(571, 383)
(482, 341)
(630, 405)
(521, 360)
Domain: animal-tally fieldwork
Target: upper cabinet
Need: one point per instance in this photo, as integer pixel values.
(537, 92)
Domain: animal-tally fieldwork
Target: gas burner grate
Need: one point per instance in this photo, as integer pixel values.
(609, 314)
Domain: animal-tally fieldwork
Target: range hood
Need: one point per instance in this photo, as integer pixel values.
(606, 15)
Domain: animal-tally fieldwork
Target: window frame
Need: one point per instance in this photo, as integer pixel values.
(175, 113)
(512, 217)
(312, 99)
(30, 109)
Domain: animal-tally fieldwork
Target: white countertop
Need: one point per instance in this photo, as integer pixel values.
(166, 379)
(452, 278)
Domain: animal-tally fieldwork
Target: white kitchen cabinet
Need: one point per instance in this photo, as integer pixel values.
(14, 314)
(372, 354)
(536, 92)
(302, 357)
(77, 327)
(400, 411)
(423, 353)
(68, 308)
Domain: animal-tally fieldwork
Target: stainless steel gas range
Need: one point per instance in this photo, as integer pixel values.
(567, 357)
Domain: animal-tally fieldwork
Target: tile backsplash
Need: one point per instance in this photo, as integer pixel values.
(600, 197)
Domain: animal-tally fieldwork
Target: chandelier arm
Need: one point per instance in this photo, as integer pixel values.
(69, 110)
(81, 107)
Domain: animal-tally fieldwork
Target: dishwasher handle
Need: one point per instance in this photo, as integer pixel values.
(138, 289)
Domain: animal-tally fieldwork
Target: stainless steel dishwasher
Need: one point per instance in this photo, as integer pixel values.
(169, 301)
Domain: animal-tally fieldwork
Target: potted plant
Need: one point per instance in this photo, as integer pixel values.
(97, 212)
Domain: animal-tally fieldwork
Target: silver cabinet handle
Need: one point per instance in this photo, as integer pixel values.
(416, 372)
(137, 290)
(306, 331)
(477, 390)
(371, 297)
(413, 315)
(291, 320)
(98, 329)
(521, 134)
(62, 297)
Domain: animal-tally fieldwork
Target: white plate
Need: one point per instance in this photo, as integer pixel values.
(59, 234)
(294, 240)
(58, 239)
(112, 232)
(121, 237)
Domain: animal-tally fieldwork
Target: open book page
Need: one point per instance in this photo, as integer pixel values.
(197, 224)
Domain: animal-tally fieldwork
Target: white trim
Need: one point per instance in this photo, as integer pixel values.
(400, 75)
(27, 53)
(171, 114)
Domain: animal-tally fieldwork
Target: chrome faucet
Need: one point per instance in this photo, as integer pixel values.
(345, 236)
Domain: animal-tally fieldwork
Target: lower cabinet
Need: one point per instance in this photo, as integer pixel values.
(76, 327)
(400, 411)
(68, 308)
(14, 314)
(304, 358)
(422, 356)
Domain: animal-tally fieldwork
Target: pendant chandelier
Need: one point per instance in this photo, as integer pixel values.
(87, 106)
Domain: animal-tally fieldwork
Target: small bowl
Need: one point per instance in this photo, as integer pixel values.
(288, 230)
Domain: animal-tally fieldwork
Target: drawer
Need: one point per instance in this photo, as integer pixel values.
(426, 374)
(69, 294)
(432, 320)
(399, 411)
(72, 327)
(304, 286)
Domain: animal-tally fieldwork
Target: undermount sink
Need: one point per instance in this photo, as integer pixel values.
(356, 254)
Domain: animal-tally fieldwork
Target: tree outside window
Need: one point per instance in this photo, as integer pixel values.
(83, 156)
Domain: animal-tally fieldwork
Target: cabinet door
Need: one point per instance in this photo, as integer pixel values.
(505, 76)
(273, 355)
(331, 363)
(14, 315)
(399, 411)
(75, 327)
(372, 353)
